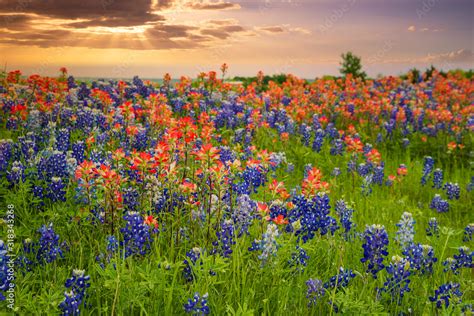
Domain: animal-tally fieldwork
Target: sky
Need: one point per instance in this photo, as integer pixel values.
(123, 38)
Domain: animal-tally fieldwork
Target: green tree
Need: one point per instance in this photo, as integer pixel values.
(351, 64)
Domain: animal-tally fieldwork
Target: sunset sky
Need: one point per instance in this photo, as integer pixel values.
(122, 38)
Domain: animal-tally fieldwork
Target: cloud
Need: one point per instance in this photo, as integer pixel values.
(461, 55)
(411, 28)
(15, 22)
(278, 29)
(222, 31)
(215, 5)
(272, 29)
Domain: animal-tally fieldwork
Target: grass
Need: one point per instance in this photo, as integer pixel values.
(241, 286)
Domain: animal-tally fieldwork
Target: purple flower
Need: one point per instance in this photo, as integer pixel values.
(433, 229)
(446, 294)
(421, 257)
(76, 297)
(398, 282)
(438, 178)
(406, 231)
(375, 248)
(197, 305)
(438, 204)
(315, 291)
(468, 232)
(136, 235)
(452, 190)
(340, 280)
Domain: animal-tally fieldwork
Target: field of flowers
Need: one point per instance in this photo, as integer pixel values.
(205, 197)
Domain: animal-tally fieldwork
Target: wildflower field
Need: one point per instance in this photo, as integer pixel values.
(336, 196)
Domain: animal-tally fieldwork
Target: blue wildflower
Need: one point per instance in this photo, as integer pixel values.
(421, 257)
(197, 305)
(438, 178)
(433, 229)
(438, 204)
(76, 297)
(452, 190)
(446, 294)
(468, 232)
(136, 235)
(406, 231)
(340, 280)
(315, 291)
(375, 248)
(398, 282)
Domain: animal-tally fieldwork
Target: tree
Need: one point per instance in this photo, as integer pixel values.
(351, 65)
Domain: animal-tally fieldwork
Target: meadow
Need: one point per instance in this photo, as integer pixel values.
(335, 196)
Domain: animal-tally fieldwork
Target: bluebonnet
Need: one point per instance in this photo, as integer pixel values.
(193, 255)
(379, 138)
(6, 147)
(363, 169)
(112, 248)
(427, 169)
(433, 229)
(71, 166)
(337, 147)
(314, 216)
(406, 230)
(63, 139)
(307, 168)
(336, 172)
(379, 175)
(243, 214)
(56, 190)
(16, 174)
(225, 239)
(268, 245)
(197, 305)
(398, 282)
(421, 257)
(298, 258)
(366, 186)
(406, 142)
(375, 248)
(130, 197)
(78, 151)
(452, 190)
(290, 168)
(318, 140)
(438, 178)
(352, 164)
(446, 294)
(315, 291)
(5, 279)
(46, 250)
(76, 297)
(470, 185)
(345, 216)
(306, 134)
(136, 235)
(340, 280)
(468, 232)
(461, 260)
(53, 166)
(438, 204)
